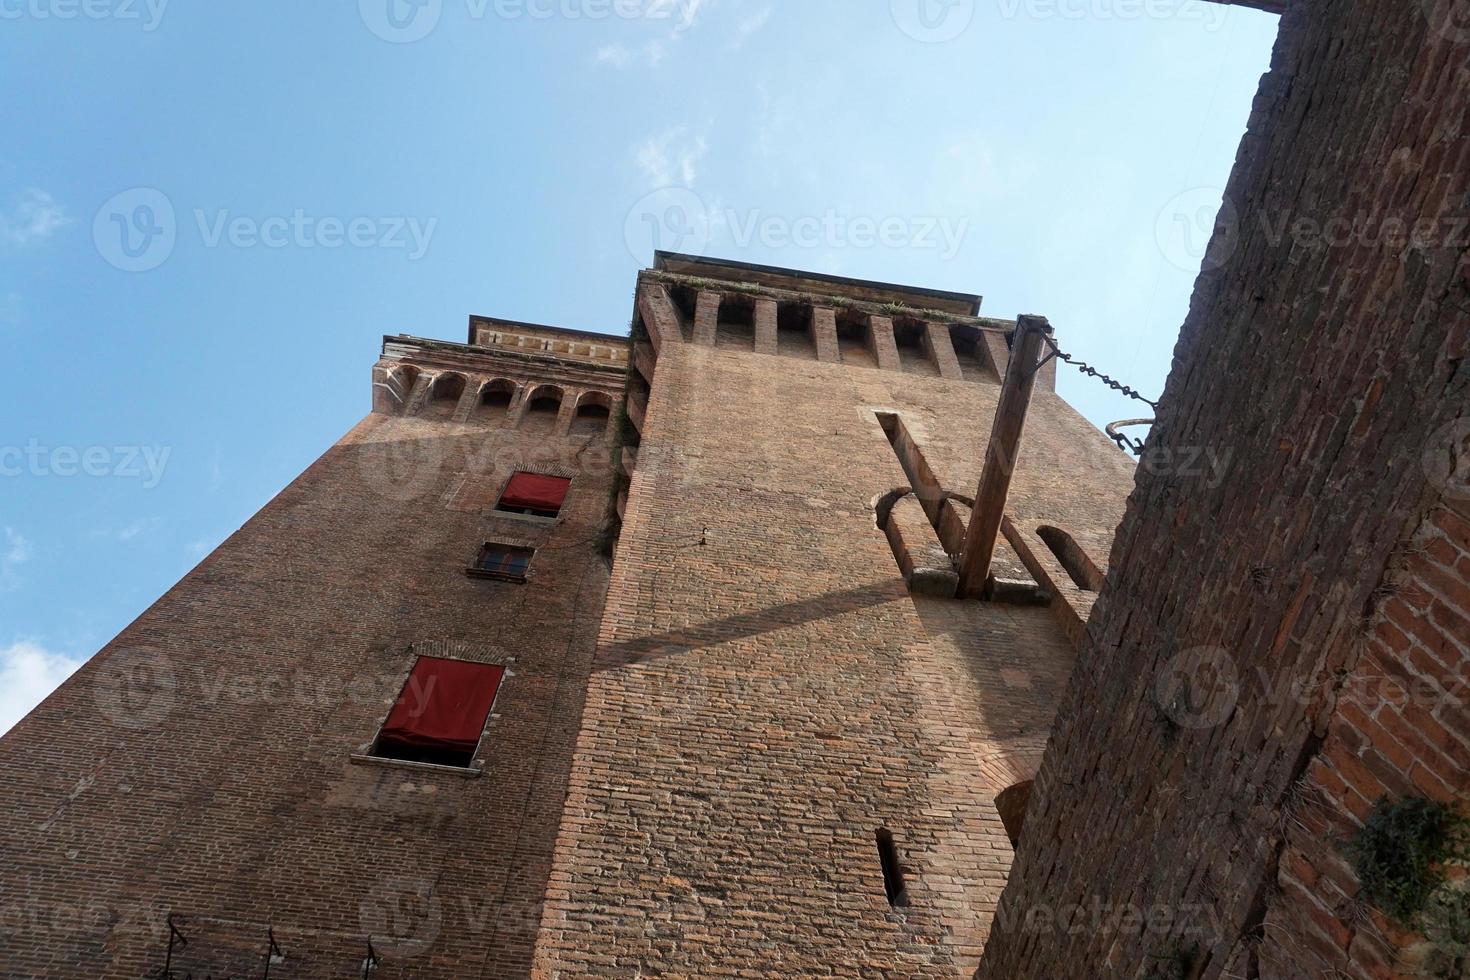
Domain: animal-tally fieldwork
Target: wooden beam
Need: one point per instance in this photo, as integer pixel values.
(1000, 456)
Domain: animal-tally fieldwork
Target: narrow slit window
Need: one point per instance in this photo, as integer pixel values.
(534, 494)
(894, 885)
(502, 561)
(441, 713)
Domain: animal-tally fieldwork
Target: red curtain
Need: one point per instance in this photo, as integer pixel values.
(444, 705)
(531, 490)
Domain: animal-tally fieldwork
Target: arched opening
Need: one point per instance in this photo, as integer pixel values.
(1012, 804)
(397, 389)
(593, 414)
(1081, 569)
(495, 399)
(444, 396)
(542, 409)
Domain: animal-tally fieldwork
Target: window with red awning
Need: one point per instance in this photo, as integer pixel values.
(533, 493)
(440, 713)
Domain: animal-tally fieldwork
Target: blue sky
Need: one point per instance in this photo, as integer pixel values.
(210, 214)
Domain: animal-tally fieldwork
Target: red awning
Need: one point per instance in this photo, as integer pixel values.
(536, 492)
(444, 705)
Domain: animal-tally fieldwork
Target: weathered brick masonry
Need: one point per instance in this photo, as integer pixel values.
(1319, 591)
(767, 694)
(202, 764)
(780, 672)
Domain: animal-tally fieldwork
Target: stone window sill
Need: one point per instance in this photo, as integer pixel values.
(485, 573)
(528, 518)
(362, 759)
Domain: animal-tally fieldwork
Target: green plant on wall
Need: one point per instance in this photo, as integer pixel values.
(1409, 857)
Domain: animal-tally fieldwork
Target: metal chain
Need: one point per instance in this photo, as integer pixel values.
(1126, 444)
(1093, 372)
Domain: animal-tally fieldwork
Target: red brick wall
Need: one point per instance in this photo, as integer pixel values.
(1176, 834)
(767, 694)
(201, 763)
(1401, 728)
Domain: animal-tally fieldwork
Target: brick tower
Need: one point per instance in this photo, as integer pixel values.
(233, 757)
(583, 656)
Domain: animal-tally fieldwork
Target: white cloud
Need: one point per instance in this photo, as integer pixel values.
(671, 158)
(199, 548)
(679, 17)
(34, 219)
(15, 551)
(138, 528)
(622, 57)
(29, 672)
(751, 25)
(970, 168)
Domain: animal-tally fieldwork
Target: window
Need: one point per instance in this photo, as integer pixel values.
(534, 494)
(502, 561)
(894, 885)
(440, 713)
